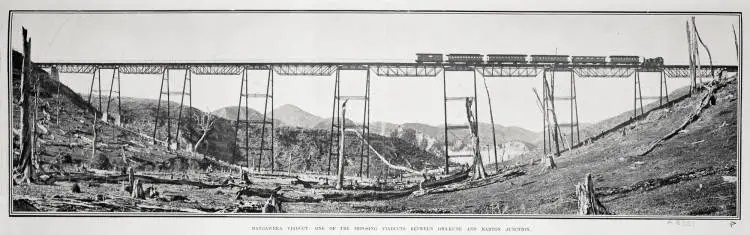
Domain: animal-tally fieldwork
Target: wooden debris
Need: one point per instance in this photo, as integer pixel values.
(131, 177)
(137, 190)
(151, 192)
(305, 184)
(463, 185)
(246, 178)
(549, 162)
(273, 205)
(144, 179)
(173, 198)
(256, 191)
(588, 204)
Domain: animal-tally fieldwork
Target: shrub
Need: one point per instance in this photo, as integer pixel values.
(100, 162)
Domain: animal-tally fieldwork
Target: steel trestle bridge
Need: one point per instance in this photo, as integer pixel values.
(256, 154)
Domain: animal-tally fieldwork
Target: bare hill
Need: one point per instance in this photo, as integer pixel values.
(294, 116)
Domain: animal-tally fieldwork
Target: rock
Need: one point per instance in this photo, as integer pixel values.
(219, 192)
(75, 188)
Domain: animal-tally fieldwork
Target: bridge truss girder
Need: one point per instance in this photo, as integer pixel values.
(415, 70)
(603, 72)
(304, 69)
(508, 71)
(141, 69)
(685, 72)
(217, 69)
(76, 68)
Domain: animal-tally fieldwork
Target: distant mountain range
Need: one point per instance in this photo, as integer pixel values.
(290, 115)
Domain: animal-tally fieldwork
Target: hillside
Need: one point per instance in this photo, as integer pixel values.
(307, 149)
(682, 176)
(294, 116)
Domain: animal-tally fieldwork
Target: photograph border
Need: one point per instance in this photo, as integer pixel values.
(11, 213)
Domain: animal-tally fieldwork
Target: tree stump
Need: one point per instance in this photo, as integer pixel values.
(131, 177)
(549, 162)
(137, 190)
(246, 178)
(273, 205)
(588, 204)
(75, 188)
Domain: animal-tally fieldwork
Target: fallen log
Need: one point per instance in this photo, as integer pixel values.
(283, 196)
(73, 177)
(344, 196)
(463, 185)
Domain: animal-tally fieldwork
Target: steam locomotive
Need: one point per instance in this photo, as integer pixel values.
(492, 59)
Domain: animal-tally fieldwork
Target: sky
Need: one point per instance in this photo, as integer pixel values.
(383, 37)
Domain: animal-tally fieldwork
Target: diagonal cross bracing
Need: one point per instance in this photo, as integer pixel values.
(304, 69)
(685, 72)
(508, 71)
(407, 70)
(603, 72)
(217, 69)
(76, 68)
(141, 69)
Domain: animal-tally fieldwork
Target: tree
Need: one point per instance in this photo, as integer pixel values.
(27, 122)
(478, 171)
(205, 121)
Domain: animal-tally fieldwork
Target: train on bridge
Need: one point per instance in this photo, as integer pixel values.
(476, 59)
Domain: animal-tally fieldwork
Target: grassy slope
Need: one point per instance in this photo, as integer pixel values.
(552, 192)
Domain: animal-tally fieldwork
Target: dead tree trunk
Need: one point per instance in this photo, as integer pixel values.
(205, 122)
(549, 162)
(588, 204)
(131, 177)
(273, 205)
(492, 122)
(27, 123)
(342, 133)
(478, 171)
(137, 190)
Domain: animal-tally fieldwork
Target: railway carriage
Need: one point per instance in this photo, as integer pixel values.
(465, 58)
(624, 59)
(429, 58)
(550, 59)
(506, 58)
(588, 59)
